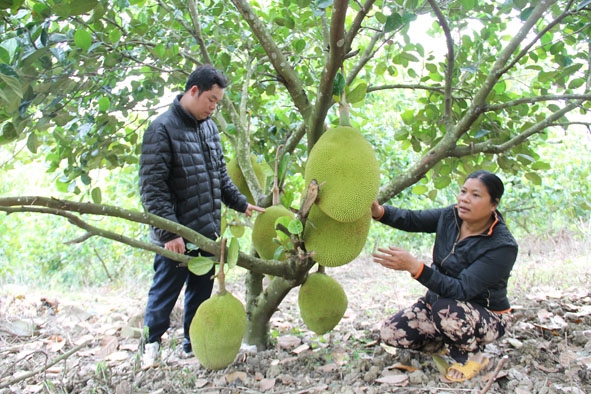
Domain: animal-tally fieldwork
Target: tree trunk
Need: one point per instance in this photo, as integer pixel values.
(262, 304)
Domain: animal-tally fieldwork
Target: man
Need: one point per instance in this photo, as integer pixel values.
(183, 178)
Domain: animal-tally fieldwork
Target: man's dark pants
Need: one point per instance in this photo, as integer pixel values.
(166, 288)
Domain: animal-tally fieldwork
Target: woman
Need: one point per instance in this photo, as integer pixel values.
(466, 304)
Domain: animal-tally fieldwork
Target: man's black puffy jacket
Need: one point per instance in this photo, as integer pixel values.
(475, 269)
(183, 174)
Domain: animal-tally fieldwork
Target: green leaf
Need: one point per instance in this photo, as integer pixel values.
(32, 143)
(358, 93)
(419, 189)
(441, 182)
(576, 83)
(468, 4)
(83, 39)
(10, 89)
(74, 7)
(237, 231)
(8, 133)
(97, 195)
(104, 104)
(534, 178)
(233, 253)
(295, 226)
(200, 265)
(338, 85)
(393, 22)
(408, 116)
(284, 221)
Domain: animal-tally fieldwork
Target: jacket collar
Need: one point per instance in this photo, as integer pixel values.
(496, 216)
(186, 117)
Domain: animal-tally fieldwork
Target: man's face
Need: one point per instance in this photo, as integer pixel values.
(202, 105)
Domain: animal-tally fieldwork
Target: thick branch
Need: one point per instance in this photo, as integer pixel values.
(281, 64)
(334, 62)
(196, 31)
(447, 113)
(526, 49)
(490, 147)
(497, 70)
(531, 100)
(356, 25)
(63, 208)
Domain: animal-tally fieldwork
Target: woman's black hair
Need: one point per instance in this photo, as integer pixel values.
(493, 184)
(204, 77)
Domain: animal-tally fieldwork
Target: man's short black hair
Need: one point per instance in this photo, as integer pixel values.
(204, 77)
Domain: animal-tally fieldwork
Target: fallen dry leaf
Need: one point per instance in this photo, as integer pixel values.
(403, 367)
(396, 380)
(267, 384)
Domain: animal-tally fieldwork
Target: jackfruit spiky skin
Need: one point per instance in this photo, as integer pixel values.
(335, 243)
(236, 174)
(264, 231)
(322, 302)
(345, 162)
(217, 330)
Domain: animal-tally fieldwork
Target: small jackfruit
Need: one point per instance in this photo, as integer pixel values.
(335, 243)
(264, 233)
(322, 302)
(217, 330)
(238, 178)
(344, 163)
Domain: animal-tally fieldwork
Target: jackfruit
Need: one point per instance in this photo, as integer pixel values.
(217, 330)
(343, 162)
(335, 243)
(238, 178)
(264, 233)
(322, 302)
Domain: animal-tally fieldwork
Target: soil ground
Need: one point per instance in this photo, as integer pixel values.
(88, 342)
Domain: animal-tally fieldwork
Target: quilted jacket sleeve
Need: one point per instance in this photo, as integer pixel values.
(155, 167)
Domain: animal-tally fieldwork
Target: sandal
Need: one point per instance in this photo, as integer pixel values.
(469, 370)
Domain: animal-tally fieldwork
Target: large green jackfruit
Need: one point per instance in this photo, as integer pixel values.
(217, 330)
(238, 178)
(322, 302)
(343, 162)
(335, 243)
(264, 233)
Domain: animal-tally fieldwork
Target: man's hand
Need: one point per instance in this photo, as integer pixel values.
(251, 208)
(176, 245)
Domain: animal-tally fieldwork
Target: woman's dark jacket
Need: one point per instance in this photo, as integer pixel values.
(475, 269)
(183, 174)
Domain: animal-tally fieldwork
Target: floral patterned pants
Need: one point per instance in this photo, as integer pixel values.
(463, 327)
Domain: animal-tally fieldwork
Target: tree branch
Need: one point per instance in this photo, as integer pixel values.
(336, 54)
(490, 147)
(449, 72)
(63, 208)
(280, 63)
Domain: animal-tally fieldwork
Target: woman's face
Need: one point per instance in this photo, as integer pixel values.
(474, 202)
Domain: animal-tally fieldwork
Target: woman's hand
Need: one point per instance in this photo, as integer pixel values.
(397, 259)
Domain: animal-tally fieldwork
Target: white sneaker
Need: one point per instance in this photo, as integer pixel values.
(151, 355)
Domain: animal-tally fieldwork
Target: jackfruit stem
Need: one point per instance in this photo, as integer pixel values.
(321, 269)
(344, 115)
(221, 275)
(276, 200)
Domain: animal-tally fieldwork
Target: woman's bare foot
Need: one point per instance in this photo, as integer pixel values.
(460, 373)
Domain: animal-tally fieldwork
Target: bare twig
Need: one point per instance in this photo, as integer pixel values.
(44, 368)
(492, 379)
